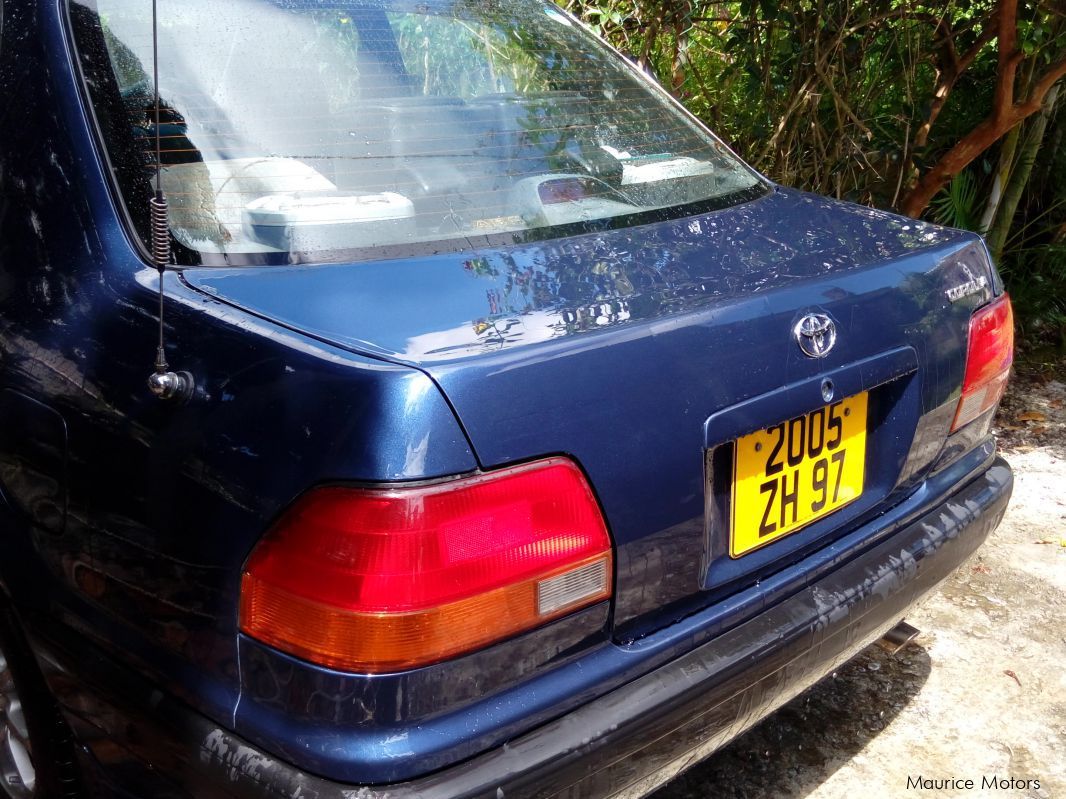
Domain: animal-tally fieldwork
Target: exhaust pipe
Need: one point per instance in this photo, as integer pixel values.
(898, 637)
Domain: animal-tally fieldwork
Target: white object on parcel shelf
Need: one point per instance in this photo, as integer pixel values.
(650, 170)
(308, 221)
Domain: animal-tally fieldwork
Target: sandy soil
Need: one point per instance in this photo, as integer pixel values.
(980, 695)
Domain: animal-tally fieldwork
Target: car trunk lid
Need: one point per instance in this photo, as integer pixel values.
(644, 352)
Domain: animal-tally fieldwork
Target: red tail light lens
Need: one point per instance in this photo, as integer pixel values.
(375, 580)
(988, 360)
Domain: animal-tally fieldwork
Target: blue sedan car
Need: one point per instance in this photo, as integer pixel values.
(505, 435)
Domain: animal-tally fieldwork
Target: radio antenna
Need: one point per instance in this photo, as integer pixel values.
(163, 383)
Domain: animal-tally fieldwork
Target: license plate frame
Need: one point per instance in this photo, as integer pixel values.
(784, 455)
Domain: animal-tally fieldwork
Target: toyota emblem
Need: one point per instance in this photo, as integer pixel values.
(816, 334)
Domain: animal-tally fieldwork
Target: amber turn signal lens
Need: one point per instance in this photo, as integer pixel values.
(376, 580)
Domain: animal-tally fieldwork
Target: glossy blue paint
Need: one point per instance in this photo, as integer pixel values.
(616, 348)
(164, 503)
(639, 733)
(640, 352)
(314, 724)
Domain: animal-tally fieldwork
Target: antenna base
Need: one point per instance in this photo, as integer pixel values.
(172, 385)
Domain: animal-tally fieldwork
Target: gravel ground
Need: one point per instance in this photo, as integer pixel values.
(980, 695)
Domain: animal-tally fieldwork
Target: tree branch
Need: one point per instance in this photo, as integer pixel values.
(1053, 74)
(1009, 56)
(1005, 113)
(988, 33)
(970, 146)
(950, 75)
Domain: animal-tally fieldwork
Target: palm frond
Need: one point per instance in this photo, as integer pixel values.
(957, 204)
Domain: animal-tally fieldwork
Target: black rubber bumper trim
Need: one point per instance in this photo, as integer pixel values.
(624, 744)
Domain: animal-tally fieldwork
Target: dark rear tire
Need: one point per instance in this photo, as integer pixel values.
(36, 750)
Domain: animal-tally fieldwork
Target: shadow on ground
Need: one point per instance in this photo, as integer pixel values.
(802, 744)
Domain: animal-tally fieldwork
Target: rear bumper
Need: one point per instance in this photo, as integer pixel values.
(625, 743)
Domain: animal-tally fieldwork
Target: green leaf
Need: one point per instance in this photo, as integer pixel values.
(957, 205)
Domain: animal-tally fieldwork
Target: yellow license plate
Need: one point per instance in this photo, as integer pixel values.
(791, 474)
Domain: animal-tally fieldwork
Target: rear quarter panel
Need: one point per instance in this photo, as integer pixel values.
(148, 510)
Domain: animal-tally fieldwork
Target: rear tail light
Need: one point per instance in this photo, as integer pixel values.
(375, 580)
(988, 360)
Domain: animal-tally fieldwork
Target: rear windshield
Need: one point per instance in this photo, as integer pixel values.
(297, 131)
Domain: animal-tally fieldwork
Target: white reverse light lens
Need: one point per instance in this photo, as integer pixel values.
(556, 593)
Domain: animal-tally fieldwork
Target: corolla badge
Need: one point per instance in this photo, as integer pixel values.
(816, 334)
(974, 284)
